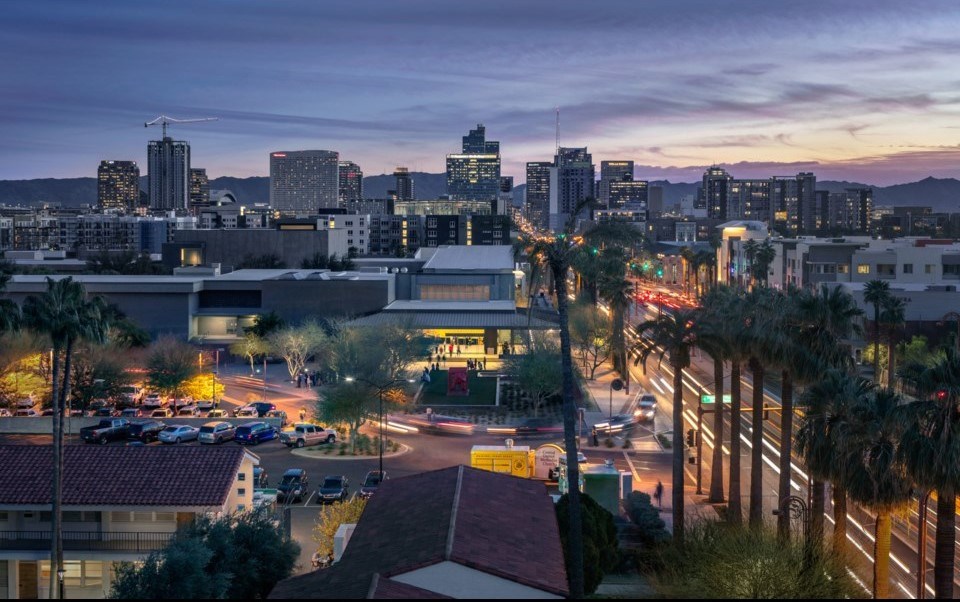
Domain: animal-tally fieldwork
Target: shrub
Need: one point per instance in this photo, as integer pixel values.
(650, 527)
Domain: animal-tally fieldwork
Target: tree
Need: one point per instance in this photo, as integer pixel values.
(66, 316)
(170, 364)
(600, 553)
(589, 336)
(674, 336)
(100, 372)
(618, 293)
(264, 324)
(538, 373)
(875, 292)
(929, 448)
(295, 344)
(329, 520)
(203, 385)
(821, 438)
(893, 316)
(240, 556)
(251, 346)
(760, 265)
(873, 474)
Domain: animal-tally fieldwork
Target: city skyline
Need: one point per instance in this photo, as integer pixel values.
(861, 92)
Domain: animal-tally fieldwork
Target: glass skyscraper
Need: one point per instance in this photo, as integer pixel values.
(350, 183)
(474, 174)
(301, 182)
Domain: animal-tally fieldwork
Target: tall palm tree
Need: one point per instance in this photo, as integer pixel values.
(930, 447)
(618, 293)
(874, 476)
(760, 268)
(66, 316)
(672, 335)
(893, 316)
(738, 351)
(875, 292)
(750, 252)
(822, 431)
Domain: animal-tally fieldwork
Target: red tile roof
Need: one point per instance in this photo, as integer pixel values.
(120, 476)
(499, 524)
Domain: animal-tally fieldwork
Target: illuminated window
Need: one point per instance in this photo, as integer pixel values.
(455, 292)
(863, 268)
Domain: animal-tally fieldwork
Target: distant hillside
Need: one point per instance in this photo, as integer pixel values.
(943, 194)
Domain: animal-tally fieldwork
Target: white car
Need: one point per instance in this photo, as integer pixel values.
(177, 433)
(217, 413)
(188, 412)
(27, 402)
(161, 413)
(247, 412)
(154, 400)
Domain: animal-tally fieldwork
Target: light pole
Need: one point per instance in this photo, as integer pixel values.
(922, 547)
(380, 389)
(60, 574)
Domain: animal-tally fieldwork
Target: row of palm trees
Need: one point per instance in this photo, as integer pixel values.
(868, 443)
(66, 317)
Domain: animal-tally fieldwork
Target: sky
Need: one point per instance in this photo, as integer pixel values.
(852, 90)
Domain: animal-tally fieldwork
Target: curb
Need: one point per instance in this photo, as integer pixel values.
(306, 453)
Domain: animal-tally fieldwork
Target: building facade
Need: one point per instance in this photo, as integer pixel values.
(571, 182)
(403, 184)
(168, 170)
(302, 182)
(199, 189)
(611, 171)
(350, 183)
(627, 192)
(537, 202)
(118, 185)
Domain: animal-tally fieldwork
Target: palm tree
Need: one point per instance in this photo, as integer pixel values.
(672, 335)
(893, 316)
(760, 268)
(875, 292)
(66, 316)
(930, 447)
(819, 441)
(874, 476)
(618, 293)
(750, 252)
(738, 351)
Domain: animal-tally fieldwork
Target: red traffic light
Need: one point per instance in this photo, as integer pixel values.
(941, 395)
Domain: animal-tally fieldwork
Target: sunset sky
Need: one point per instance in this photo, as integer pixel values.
(862, 91)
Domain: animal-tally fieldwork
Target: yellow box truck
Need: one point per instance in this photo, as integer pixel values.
(516, 460)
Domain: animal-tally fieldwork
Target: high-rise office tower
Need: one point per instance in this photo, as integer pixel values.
(537, 202)
(611, 171)
(793, 203)
(168, 168)
(654, 201)
(626, 191)
(199, 188)
(715, 192)
(474, 174)
(118, 185)
(350, 183)
(506, 184)
(302, 182)
(749, 200)
(404, 184)
(571, 182)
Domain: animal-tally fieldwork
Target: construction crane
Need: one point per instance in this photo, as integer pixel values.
(165, 121)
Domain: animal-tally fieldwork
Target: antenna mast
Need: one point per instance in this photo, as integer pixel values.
(558, 130)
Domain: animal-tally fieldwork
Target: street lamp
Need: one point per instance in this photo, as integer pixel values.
(380, 389)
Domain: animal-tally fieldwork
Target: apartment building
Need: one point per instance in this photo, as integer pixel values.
(120, 504)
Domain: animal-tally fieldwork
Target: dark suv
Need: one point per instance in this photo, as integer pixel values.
(371, 483)
(254, 433)
(293, 485)
(335, 488)
(145, 430)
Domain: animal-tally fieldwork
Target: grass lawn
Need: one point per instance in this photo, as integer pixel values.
(483, 391)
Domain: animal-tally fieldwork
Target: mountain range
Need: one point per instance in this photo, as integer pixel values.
(942, 194)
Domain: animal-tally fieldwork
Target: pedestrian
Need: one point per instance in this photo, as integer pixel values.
(450, 348)
(458, 350)
(303, 414)
(298, 381)
(482, 364)
(658, 494)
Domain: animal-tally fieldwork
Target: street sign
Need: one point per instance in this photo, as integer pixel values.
(617, 384)
(709, 399)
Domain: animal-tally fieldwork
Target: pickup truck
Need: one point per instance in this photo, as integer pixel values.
(302, 434)
(107, 430)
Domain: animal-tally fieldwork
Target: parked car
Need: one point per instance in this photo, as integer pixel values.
(371, 482)
(260, 480)
(145, 430)
(217, 413)
(108, 430)
(132, 413)
(153, 400)
(181, 402)
(47, 412)
(27, 402)
(28, 413)
(254, 433)
(262, 407)
(334, 488)
(246, 412)
(217, 432)
(303, 433)
(5, 413)
(178, 433)
(205, 405)
(131, 394)
(96, 404)
(278, 414)
(104, 411)
(161, 413)
(188, 412)
(293, 485)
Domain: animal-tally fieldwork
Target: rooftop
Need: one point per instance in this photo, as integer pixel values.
(498, 524)
(121, 476)
(471, 258)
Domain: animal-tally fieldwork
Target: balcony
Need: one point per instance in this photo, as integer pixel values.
(84, 541)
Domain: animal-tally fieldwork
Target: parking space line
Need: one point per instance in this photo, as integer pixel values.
(307, 503)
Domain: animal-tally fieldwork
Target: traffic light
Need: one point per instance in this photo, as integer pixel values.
(941, 395)
(594, 250)
(659, 272)
(691, 437)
